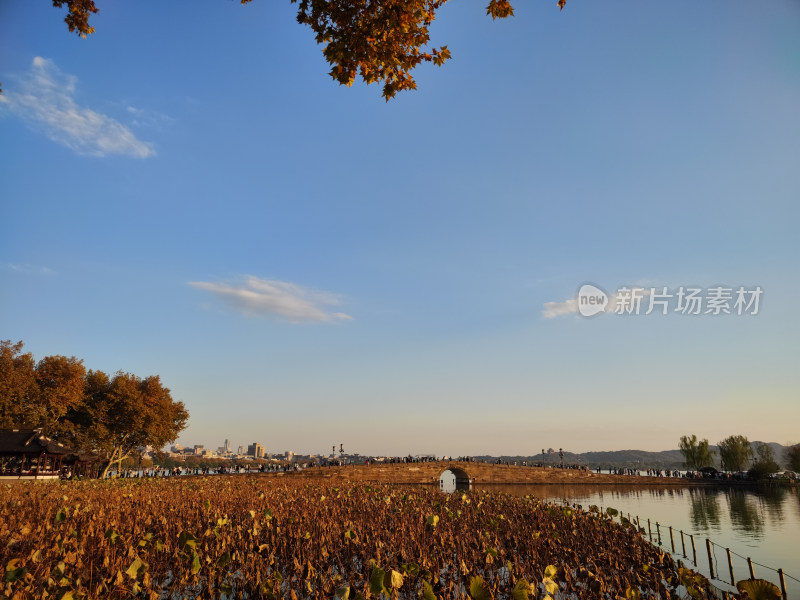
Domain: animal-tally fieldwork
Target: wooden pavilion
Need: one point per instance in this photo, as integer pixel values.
(28, 454)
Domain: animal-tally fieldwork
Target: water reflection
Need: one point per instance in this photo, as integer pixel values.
(796, 504)
(744, 513)
(704, 510)
(772, 499)
(760, 523)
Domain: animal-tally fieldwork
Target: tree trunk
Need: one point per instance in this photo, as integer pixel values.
(116, 457)
(108, 466)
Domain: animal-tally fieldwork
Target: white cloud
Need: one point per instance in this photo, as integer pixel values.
(269, 297)
(558, 309)
(45, 100)
(25, 268)
(570, 306)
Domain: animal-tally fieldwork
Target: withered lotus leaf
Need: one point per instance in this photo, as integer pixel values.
(271, 537)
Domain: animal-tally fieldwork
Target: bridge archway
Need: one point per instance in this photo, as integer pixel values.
(454, 478)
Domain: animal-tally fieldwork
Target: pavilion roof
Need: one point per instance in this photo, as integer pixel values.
(30, 442)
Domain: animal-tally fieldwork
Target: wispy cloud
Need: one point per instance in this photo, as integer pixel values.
(569, 306)
(25, 268)
(148, 118)
(559, 309)
(268, 297)
(45, 100)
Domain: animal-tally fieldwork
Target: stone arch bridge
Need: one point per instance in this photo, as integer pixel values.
(474, 472)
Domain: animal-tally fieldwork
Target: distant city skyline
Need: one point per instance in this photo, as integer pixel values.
(632, 459)
(304, 264)
(546, 455)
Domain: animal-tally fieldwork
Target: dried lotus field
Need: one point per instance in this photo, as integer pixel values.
(262, 537)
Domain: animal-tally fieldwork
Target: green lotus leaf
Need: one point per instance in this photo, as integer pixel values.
(223, 560)
(758, 589)
(376, 578)
(137, 566)
(427, 591)
(195, 563)
(187, 540)
(478, 590)
(520, 591)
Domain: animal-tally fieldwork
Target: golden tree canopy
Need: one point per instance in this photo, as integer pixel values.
(377, 40)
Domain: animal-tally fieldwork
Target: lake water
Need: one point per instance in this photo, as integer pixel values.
(760, 523)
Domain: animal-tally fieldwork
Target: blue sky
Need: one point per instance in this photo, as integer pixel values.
(188, 193)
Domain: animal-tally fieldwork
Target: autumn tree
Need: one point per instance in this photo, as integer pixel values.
(764, 461)
(60, 381)
(78, 14)
(688, 447)
(121, 414)
(696, 454)
(765, 454)
(37, 396)
(792, 457)
(735, 452)
(85, 432)
(377, 40)
(112, 417)
(17, 384)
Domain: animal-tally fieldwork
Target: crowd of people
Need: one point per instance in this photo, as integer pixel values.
(641, 472)
(217, 470)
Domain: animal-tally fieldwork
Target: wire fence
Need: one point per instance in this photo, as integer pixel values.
(686, 548)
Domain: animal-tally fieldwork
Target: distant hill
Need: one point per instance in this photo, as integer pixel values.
(633, 459)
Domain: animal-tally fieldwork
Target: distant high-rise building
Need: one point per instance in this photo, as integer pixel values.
(240, 451)
(255, 449)
(227, 446)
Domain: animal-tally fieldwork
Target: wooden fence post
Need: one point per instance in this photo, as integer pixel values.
(750, 567)
(730, 566)
(683, 544)
(671, 539)
(710, 558)
(783, 583)
(694, 551)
